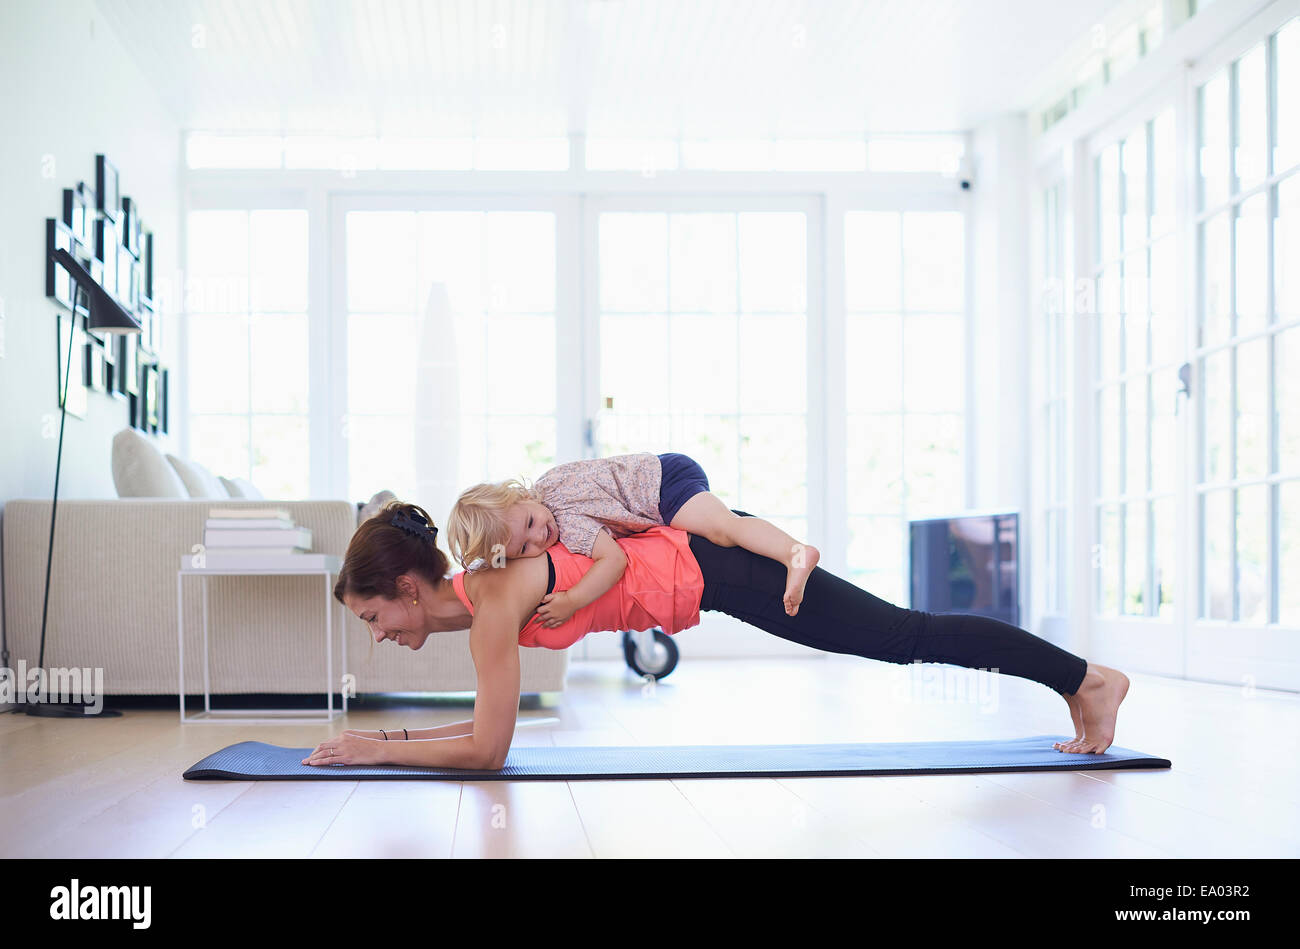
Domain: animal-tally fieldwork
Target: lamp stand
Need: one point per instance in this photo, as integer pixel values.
(66, 709)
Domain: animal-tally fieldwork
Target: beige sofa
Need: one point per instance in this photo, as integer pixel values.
(113, 605)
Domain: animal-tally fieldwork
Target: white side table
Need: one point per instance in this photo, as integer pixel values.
(262, 716)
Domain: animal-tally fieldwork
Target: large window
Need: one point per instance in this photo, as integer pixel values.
(246, 304)
(1052, 519)
(449, 389)
(703, 323)
(1248, 338)
(905, 356)
(1137, 355)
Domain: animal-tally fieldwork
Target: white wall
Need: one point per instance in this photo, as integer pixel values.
(67, 91)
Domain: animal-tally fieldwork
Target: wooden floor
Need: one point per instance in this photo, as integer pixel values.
(113, 787)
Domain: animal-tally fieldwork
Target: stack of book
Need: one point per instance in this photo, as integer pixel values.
(253, 539)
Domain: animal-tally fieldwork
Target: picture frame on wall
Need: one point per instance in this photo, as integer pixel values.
(106, 245)
(76, 394)
(147, 258)
(151, 398)
(76, 215)
(164, 392)
(107, 188)
(131, 225)
(129, 363)
(93, 365)
(125, 281)
(58, 282)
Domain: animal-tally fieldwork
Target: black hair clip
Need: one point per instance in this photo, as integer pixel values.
(416, 525)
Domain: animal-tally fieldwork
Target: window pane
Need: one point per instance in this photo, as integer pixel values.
(1106, 559)
(216, 262)
(640, 341)
(381, 455)
(382, 261)
(933, 260)
(1135, 434)
(1252, 264)
(773, 465)
(873, 350)
(872, 260)
(1166, 565)
(1217, 531)
(520, 446)
(703, 249)
(1287, 401)
(773, 367)
(634, 262)
(773, 262)
(280, 457)
(220, 444)
(1252, 127)
(932, 464)
(1109, 432)
(1288, 587)
(713, 441)
(1133, 158)
(278, 259)
(1216, 262)
(1164, 169)
(1164, 395)
(1252, 409)
(1109, 323)
(1108, 219)
(279, 363)
(1164, 316)
(1286, 250)
(1288, 96)
(874, 457)
(523, 347)
(1135, 311)
(1135, 559)
(1217, 387)
(1252, 554)
(933, 363)
(520, 261)
(1214, 141)
(218, 363)
(451, 253)
(381, 371)
(876, 543)
(702, 374)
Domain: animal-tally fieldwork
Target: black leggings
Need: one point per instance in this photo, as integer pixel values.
(837, 616)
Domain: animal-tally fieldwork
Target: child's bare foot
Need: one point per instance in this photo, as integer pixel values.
(1094, 708)
(802, 560)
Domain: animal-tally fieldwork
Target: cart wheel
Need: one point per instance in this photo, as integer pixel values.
(657, 666)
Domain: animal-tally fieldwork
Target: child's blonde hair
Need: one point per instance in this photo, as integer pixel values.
(477, 520)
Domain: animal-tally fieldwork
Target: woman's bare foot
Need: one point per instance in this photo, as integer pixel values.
(802, 560)
(1094, 708)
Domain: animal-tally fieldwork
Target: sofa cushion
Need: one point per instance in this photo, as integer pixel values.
(199, 481)
(140, 469)
(240, 487)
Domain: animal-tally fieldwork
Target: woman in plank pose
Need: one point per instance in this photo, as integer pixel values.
(396, 580)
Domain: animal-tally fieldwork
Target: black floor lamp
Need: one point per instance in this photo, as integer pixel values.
(106, 316)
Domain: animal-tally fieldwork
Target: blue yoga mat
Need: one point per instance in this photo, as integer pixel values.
(258, 761)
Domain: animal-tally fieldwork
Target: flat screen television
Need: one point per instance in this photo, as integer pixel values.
(967, 564)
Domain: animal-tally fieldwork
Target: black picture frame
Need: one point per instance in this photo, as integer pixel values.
(131, 225)
(107, 188)
(94, 369)
(164, 391)
(147, 245)
(125, 282)
(77, 215)
(58, 281)
(106, 244)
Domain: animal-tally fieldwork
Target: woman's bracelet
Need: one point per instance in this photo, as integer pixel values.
(405, 736)
(384, 733)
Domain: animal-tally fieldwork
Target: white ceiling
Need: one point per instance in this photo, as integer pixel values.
(695, 68)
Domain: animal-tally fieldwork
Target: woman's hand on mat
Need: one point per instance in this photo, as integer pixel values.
(345, 749)
(556, 609)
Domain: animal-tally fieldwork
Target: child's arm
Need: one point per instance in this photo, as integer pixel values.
(610, 562)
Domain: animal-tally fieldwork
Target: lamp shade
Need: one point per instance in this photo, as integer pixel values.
(106, 314)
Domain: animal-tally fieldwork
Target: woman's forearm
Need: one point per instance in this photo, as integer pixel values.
(459, 751)
(453, 730)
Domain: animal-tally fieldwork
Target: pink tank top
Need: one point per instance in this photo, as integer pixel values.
(661, 586)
